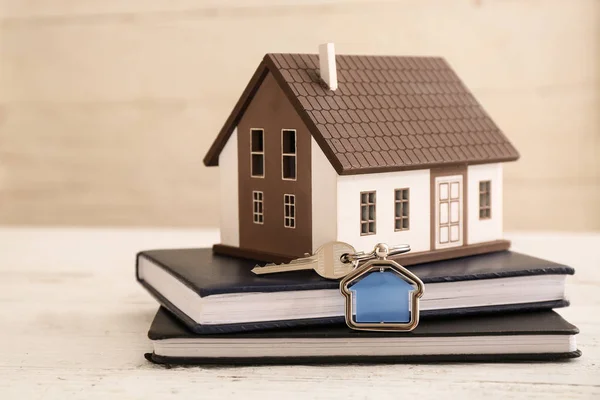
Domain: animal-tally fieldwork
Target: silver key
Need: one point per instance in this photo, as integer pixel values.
(327, 262)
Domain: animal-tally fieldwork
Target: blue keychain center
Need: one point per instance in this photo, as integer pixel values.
(382, 297)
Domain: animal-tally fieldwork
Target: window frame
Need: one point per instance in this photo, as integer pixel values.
(371, 219)
(289, 211)
(402, 201)
(258, 213)
(257, 153)
(485, 210)
(294, 155)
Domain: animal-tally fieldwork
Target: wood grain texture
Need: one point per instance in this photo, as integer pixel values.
(107, 107)
(74, 325)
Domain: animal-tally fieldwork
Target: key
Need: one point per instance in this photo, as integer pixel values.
(327, 262)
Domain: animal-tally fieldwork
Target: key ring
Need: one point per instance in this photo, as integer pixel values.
(361, 256)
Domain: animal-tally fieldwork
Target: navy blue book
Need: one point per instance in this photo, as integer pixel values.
(219, 294)
(539, 336)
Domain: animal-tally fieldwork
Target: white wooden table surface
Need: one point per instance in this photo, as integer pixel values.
(74, 322)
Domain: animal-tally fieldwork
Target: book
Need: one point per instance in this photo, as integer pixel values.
(542, 335)
(219, 294)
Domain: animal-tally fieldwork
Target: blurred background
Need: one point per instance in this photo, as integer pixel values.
(107, 107)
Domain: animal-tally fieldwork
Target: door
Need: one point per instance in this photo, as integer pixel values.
(449, 211)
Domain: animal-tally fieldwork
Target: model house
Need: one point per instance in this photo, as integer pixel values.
(359, 149)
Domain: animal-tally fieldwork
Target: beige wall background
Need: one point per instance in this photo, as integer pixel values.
(108, 106)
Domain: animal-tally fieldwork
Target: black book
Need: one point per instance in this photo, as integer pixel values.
(218, 294)
(542, 335)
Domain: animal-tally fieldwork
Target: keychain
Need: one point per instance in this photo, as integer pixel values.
(381, 295)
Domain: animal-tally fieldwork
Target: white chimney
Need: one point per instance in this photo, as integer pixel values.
(327, 65)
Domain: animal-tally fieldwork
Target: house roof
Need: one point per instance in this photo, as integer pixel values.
(389, 113)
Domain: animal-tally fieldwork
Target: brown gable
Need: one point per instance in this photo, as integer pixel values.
(212, 156)
(388, 113)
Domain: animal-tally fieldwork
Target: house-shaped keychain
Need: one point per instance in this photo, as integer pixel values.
(382, 295)
(359, 149)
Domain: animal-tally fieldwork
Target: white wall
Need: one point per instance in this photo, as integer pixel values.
(228, 174)
(348, 224)
(324, 198)
(489, 229)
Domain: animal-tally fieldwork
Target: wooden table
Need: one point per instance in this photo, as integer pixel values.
(74, 325)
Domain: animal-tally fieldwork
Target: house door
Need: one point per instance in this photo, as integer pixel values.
(449, 211)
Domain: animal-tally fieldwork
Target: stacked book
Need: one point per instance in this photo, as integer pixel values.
(214, 309)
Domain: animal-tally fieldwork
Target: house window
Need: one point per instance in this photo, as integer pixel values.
(257, 153)
(401, 220)
(288, 154)
(367, 213)
(258, 207)
(289, 210)
(485, 199)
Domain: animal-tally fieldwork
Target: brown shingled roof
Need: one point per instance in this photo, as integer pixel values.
(388, 114)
